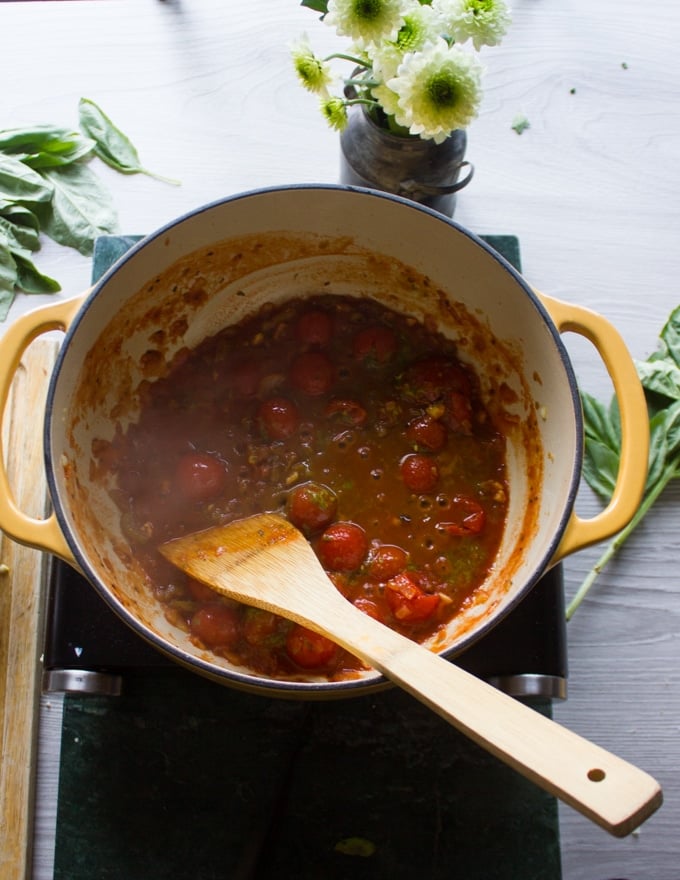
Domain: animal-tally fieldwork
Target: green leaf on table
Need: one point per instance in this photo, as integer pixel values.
(45, 146)
(111, 144)
(34, 138)
(19, 183)
(599, 422)
(658, 448)
(670, 337)
(81, 209)
(80, 148)
(661, 375)
(317, 5)
(600, 467)
(19, 215)
(31, 280)
(673, 429)
(8, 279)
(19, 239)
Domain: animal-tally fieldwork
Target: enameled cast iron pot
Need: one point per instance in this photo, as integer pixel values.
(220, 262)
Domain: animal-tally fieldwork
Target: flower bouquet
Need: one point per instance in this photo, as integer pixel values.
(413, 64)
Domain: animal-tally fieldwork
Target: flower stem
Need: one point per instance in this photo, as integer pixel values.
(360, 62)
(670, 471)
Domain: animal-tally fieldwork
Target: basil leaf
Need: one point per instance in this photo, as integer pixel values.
(658, 448)
(661, 376)
(77, 149)
(20, 215)
(600, 467)
(19, 239)
(670, 335)
(30, 280)
(8, 280)
(597, 422)
(111, 145)
(19, 183)
(317, 5)
(28, 140)
(81, 208)
(673, 430)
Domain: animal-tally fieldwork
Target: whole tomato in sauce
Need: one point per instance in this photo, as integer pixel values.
(309, 649)
(425, 432)
(313, 373)
(311, 507)
(376, 344)
(216, 625)
(419, 472)
(279, 417)
(385, 562)
(200, 477)
(314, 328)
(343, 546)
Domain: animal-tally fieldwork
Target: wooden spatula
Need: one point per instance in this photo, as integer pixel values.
(267, 562)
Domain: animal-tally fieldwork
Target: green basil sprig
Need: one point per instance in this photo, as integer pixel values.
(111, 145)
(660, 377)
(47, 186)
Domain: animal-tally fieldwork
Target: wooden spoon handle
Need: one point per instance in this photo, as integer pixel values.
(608, 790)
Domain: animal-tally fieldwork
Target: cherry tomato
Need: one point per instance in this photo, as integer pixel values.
(279, 417)
(201, 592)
(343, 546)
(419, 472)
(245, 375)
(313, 373)
(200, 477)
(369, 607)
(309, 649)
(376, 344)
(470, 517)
(259, 625)
(407, 602)
(350, 412)
(311, 507)
(385, 562)
(426, 433)
(314, 327)
(217, 626)
(430, 379)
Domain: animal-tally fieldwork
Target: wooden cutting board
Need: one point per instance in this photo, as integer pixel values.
(21, 606)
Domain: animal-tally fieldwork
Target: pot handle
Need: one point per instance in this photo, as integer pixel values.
(43, 534)
(632, 475)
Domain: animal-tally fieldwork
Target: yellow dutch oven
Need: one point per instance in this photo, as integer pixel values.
(221, 262)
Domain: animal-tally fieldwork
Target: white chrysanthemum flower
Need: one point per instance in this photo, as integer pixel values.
(485, 22)
(438, 89)
(367, 21)
(418, 29)
(388, 100)
(334, 111)
(314, 73)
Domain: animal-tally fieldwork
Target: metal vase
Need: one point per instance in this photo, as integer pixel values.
(411, 167)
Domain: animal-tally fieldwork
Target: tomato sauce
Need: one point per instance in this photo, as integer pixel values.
(358, 423)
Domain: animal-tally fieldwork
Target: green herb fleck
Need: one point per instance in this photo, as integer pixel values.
(520, 124)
